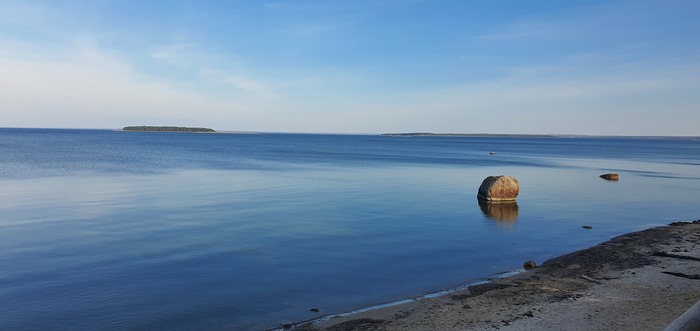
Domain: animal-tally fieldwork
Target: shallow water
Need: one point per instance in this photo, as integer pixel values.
(125, 230)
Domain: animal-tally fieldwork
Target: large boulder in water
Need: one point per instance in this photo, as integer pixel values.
(499, 188)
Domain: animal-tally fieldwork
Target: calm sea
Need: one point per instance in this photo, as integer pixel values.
(125, 230)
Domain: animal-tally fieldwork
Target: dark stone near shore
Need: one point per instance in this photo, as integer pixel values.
(499, 188)
(611, 176)
(529, 265)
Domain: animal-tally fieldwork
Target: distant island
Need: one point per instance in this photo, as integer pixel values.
(430, 134)
(144, 128)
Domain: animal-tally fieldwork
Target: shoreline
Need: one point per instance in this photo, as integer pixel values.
(637, 281)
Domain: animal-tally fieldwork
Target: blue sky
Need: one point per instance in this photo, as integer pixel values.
(570, 67)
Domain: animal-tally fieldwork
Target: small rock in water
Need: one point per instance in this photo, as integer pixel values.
(314, 309)
(587, 227)
(610, 176)
(529, 265)
(287, 325)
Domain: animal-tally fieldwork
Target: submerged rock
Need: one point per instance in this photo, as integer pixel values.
(499, 188)
(610, 176)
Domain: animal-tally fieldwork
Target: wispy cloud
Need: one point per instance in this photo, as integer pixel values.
(183, 54)
(211, 67)
(249, 85)
(87, 86)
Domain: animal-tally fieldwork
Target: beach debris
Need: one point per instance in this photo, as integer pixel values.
(680, 274)
(499, 188)
(610, 176)
(587, 227)
(678, 256)
(591, 279)
(314, 309)
(530, 264)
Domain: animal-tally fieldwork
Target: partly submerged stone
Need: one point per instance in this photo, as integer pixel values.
(610, 176)
(499, 188)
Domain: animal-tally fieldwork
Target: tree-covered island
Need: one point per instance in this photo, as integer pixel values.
(145, 128)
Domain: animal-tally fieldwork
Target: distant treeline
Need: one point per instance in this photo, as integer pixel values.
(166, 129)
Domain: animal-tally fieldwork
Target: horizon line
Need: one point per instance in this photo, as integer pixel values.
(403, 134)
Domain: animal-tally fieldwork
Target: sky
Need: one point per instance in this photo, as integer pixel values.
(612, 67)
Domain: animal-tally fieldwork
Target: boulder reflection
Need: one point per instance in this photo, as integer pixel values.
(504, 213)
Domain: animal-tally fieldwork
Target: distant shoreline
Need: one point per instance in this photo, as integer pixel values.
(402, 134)
(149, 128)
(524, 135)
(431, 134)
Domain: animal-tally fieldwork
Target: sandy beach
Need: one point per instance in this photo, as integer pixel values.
(638, 281)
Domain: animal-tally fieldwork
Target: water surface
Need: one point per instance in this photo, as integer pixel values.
(131, 230)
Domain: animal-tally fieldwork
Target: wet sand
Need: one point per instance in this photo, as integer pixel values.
(638, 281)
